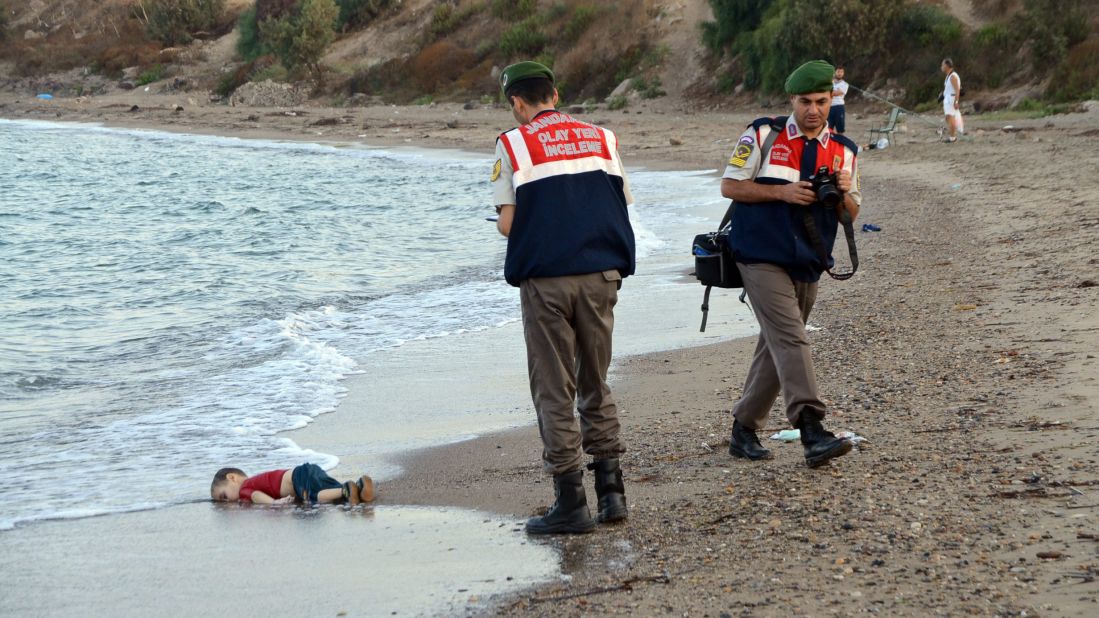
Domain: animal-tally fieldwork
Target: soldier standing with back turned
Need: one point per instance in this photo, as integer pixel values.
(561, 194)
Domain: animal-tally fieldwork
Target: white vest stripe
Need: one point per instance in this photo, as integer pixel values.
(519, 147)
(526, 171)
(780, 172)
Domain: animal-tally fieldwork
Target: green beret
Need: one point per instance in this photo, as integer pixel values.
(519, 71)
(813, 76)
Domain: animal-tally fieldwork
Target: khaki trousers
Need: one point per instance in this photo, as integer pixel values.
(782, 360)
(567, 323)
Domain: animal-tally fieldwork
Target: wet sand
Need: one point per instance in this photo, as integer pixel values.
(964, 351)
(196, 559)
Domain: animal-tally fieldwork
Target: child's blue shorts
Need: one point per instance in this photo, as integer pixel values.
(309, 479)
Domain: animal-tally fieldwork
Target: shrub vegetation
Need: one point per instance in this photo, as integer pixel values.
(298, 38)
(905, 41)
(173, 22)
(513, 10)
(358, 13)
(152, 74)
(523, 39)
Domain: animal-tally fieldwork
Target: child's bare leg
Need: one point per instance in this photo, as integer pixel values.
(330, 496)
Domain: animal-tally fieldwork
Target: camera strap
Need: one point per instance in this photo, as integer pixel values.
(818, 243)
(778, 124)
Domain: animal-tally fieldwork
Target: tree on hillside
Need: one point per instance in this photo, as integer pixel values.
(299, 38)
(176, 21)
(732, 18)
(775, 36)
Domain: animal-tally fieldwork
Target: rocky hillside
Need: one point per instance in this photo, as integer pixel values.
(422, 50)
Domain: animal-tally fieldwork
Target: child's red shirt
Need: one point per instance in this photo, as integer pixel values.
(269, 483)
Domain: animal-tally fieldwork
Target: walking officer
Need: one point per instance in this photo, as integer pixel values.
(781, 259)
(561, 193)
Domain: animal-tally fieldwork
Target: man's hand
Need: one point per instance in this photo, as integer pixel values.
(284, 500)
(800, 193)
(843, 180)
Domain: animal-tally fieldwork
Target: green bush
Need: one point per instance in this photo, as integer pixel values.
(618, 102)
(637, 60)
(152, 74)
(299, 40)
(726, 83)
(1052, 27)
(275, 72)
(176, 21)
(358, 13)
(927, 35)
(513, 10)
(582, 18)
(484, 48)
(523, 39)
(983, 56)
(648, 88)
(4, 22)
(732, 18)
(775, 36)
(1077, 78)
(929, 26)
(250, 44)
(442, 20)
(446, 18)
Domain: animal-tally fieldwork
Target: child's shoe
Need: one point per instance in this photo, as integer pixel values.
(351, 493)
(366, 489)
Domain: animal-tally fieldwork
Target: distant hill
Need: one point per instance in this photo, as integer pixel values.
(686, 52)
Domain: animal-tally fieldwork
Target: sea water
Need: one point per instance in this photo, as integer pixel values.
(172, 303)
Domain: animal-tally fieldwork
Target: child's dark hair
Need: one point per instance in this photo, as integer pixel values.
(532, 91)
(223, 475)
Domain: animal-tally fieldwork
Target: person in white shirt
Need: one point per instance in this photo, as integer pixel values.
(836, 116)
(952, 93)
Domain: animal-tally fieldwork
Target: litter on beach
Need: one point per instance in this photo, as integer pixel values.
(793, 435)
(870, 227)
(853, 437)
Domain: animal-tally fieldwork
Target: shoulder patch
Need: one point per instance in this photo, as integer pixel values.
(747, 139)
(496, 169)
(741, 154)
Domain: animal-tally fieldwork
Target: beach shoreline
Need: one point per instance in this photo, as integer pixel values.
(963, 351)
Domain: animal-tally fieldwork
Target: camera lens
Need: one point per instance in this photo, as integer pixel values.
(829, 195)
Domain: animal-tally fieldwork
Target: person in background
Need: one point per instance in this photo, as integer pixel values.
(952, 94)
(837, 117)
(778, 261)
(561, 194)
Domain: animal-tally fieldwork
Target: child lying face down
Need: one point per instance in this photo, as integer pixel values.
(307, 483)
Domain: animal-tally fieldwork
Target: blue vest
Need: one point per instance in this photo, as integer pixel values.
(774, 232)
(570, 211)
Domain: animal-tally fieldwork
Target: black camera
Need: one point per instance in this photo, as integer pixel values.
(824, 185)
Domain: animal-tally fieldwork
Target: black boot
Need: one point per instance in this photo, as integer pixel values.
(820, 445)
(610, 490)
(745, 444)
(569, 513)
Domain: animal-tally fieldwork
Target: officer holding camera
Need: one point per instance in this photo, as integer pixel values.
(806, 169)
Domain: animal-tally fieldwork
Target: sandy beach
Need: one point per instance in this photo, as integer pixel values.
(964, 351)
